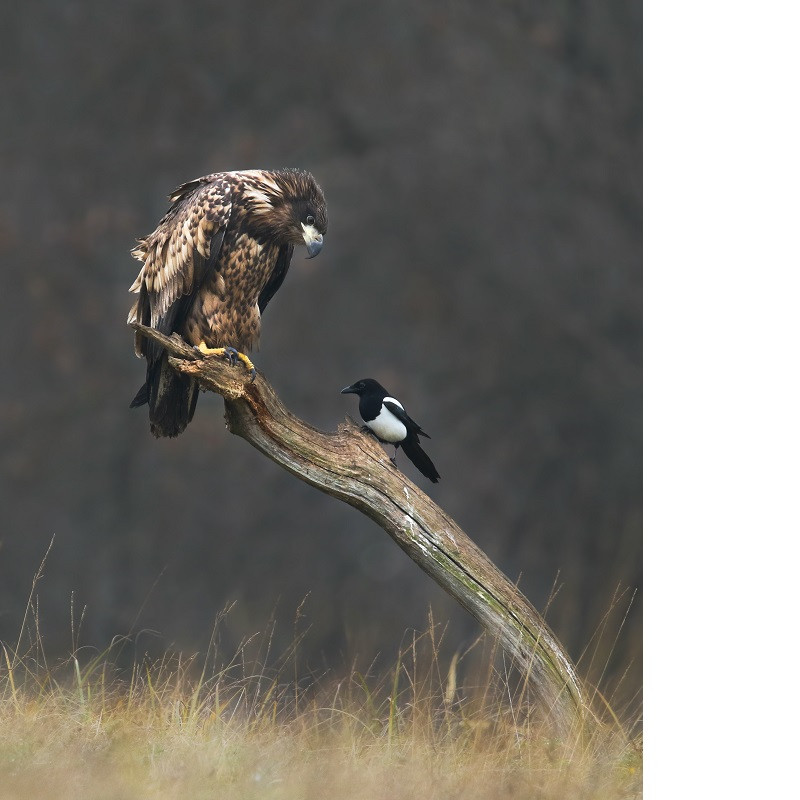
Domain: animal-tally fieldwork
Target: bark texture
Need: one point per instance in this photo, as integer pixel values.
(353, 467)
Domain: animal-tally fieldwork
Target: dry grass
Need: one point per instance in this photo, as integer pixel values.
(413, 733)
(429, 728)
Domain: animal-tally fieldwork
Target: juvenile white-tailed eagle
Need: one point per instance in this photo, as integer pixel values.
(211, 266)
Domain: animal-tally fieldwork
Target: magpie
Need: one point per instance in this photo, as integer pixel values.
(387, 419)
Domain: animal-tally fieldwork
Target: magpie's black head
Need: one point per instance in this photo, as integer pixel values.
(365, 386)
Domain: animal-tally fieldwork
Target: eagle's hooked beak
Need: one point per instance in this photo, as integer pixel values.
(313, 239)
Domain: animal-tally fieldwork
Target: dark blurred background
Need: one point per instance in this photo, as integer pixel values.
(482, 166)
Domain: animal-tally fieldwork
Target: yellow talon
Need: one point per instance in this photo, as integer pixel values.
(250, 366)
(230, 353)
(209, 351)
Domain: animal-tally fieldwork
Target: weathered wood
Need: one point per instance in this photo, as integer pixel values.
(353, 467)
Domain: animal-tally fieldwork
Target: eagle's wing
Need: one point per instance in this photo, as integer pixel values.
(400, 413)
(179, 254)
(277, 274)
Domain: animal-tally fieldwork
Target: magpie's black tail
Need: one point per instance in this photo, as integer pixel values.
(419, 458)
(171, 396)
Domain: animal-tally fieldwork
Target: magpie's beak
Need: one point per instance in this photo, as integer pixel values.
(313, 239)
(348, 390)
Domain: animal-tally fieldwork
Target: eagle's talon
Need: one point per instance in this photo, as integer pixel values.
(231, 355)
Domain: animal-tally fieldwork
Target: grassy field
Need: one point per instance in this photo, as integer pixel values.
(185, 728)
(433, 726)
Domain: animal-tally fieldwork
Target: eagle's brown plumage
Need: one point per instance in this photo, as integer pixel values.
(210, 268)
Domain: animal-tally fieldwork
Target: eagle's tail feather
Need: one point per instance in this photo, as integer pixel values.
(171, 396)
(142, 396)
(419, 458)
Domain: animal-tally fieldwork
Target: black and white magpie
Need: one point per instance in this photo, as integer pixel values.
(388, 420)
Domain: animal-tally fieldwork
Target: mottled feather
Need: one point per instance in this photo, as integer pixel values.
(212, 264)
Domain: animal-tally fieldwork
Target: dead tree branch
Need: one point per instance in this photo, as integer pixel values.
(354, 468)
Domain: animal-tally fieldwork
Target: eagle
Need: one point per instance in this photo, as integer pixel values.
(209, 269)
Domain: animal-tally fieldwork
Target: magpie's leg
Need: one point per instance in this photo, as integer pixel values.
(231, 354)
(369, 432)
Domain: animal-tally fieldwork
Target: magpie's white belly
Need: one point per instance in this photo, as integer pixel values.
(386, 426)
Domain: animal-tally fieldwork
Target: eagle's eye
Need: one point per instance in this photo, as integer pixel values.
(309, 220)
